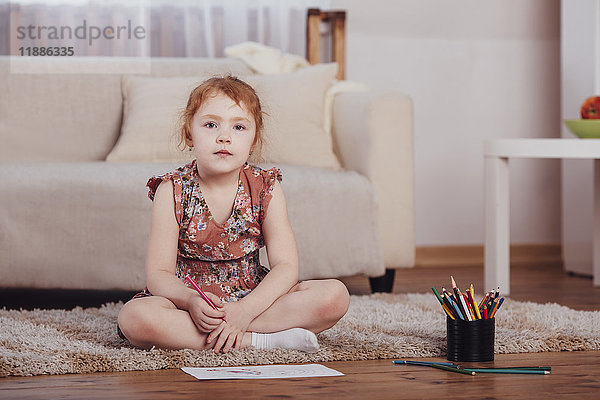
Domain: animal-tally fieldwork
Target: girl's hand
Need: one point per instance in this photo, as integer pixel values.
(206, 318)
(231, 333)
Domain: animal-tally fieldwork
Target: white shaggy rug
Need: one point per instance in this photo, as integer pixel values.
(376, 326)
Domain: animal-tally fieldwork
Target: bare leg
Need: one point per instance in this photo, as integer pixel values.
(156, 321)
(314, 305)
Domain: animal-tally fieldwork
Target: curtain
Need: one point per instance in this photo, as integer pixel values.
(156, 28)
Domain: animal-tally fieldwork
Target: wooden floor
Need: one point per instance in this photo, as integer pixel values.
(574, 374)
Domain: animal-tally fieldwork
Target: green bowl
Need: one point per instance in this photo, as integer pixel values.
(584, 128)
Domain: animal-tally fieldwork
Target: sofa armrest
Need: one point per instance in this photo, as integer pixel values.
(373, 135)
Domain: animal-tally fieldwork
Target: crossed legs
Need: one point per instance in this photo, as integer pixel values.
(155, 321)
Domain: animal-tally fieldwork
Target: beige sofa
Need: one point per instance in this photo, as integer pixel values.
(71, 219)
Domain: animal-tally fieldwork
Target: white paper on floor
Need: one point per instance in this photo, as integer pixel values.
(262, 372)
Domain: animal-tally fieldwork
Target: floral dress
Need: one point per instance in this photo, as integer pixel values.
(222, 259)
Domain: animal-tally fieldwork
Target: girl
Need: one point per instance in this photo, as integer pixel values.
(209, 220)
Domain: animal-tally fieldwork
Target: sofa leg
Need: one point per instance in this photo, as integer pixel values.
(383, 283)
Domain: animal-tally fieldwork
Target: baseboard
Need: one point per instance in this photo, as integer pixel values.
(451, 256)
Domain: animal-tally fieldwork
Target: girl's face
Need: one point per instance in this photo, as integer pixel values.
(222, 135)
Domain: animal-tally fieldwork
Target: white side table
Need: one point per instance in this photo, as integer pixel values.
(497, 242)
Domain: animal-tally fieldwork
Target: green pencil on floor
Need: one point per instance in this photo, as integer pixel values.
(509, 371)
(533, 368)
(452, 369)
(472, 371)
(542, 368)
(425, 363)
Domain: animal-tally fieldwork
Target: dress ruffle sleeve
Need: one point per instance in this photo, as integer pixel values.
(155, 181)
(269, 176)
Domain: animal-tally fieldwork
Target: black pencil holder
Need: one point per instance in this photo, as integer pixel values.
(470, 340)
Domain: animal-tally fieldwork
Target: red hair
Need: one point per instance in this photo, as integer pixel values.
(237, 90)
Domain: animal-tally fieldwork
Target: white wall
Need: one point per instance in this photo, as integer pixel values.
(580, 59)
(475, 69)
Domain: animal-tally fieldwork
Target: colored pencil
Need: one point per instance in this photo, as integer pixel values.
(456, 308)
(508, 371)
(526, 368)
(449, 306)
(487, 304)
(458, 297)
(453, 303)
(470, 305)
(493, 308)
(497, 306)
(446, 309)
(425, 363)
(437, 295)
(471, 371)
(445, 292)
(448, 313)
(465, 307)
(453, 298)
(484, 301)
(490, 298)
(475, 306)
(202, 294)
(452, 369)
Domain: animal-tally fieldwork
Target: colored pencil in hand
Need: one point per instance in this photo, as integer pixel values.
(202, 294)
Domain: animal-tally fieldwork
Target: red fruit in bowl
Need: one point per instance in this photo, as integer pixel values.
(590, 109)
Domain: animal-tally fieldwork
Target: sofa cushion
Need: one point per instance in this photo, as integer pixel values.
(58, 117)
(59, 109)
(294, 125)
(90, 227)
